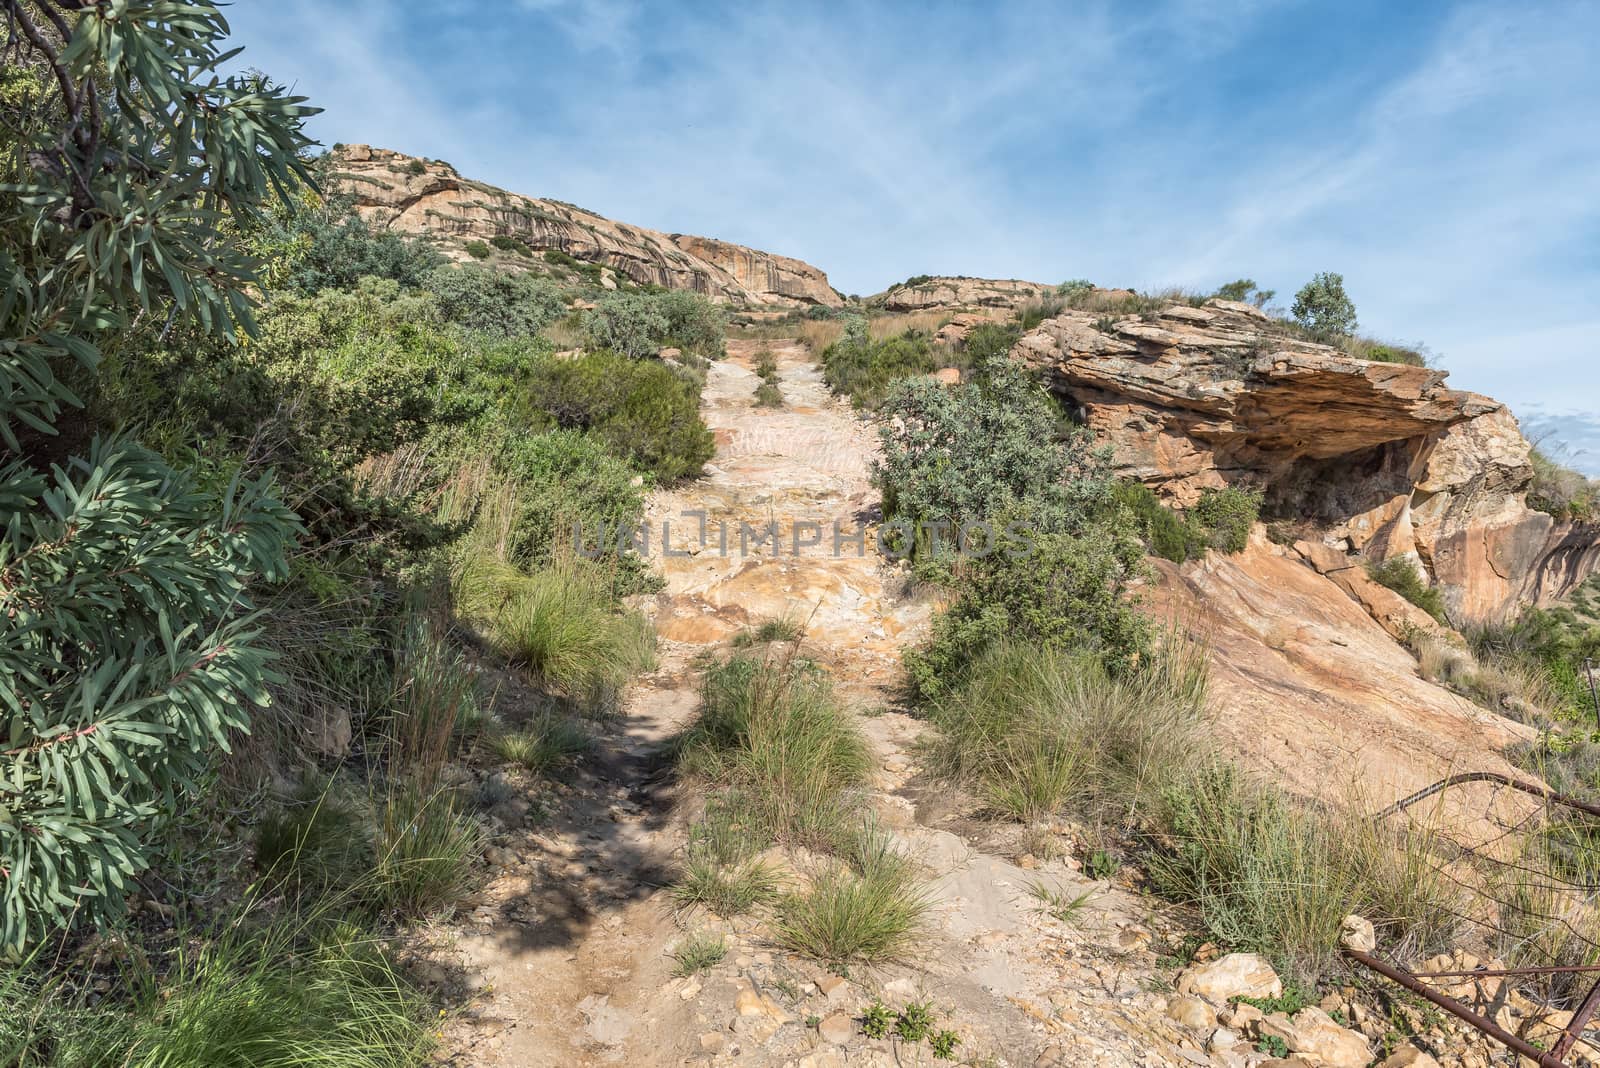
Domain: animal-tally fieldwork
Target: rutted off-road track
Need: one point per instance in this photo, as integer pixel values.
(566, 960)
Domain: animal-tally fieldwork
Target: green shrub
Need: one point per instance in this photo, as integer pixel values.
(693, 324)
(296, 994)
(312, 246)
(314, 843)
(128, 654)
(699, 952)
(478, 250)
(1169, 534)
(631, 324)
(416, 166)
(782, 629)
(496, 303)
(561, 623)
(774, 733)
(1227, 515)
(768, 395)
(1244, 289)
(505, 243)
(988, 342)
(766, 365)
(1401, 575)
(426, 849)
(1277, 876)
(866, 370)
(1059, 591)
(722, 871)
(1035, 312)
(1322, 307)
(592, 273)
(642, 409)
(558, 481)
(1560, 491)
(982, 452)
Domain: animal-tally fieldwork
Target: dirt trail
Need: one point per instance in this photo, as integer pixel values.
(568, 955)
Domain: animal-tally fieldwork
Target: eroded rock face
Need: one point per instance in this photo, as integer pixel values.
(402, 193)
(1385, 459)
(938, 293)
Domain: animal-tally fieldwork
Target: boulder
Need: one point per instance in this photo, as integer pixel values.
(1191, 1012)
(1313, 1037)
(1235, 975)
(1386, 457)
(1358, 934)
(1408, 1057)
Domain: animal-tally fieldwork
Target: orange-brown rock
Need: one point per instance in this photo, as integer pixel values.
(417, 196)
(931, 294)
(1386, 458)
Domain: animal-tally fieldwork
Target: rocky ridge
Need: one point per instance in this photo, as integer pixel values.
(419, 196)
(1383, 459)
(932, 294)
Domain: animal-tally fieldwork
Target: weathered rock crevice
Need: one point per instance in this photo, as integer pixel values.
(1385, 459)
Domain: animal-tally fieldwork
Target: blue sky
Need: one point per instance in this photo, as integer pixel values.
(1444, 157)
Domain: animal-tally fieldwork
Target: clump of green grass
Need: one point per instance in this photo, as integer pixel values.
(767, 365)
(295, 992)
(1277, 876)
(314, 841)
(427, 848)
(768, 395)
(782, 629)
(700, 952)
(867, 907)
(1400, 575)
(773, 731)
(549, 745)
(722, 872)
(435, 689)
(562, 623)
(1058, 904)
(1032, 729)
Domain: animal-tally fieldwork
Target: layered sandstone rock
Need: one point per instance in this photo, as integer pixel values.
(1385, 459)
(935, 294)
(417, 196)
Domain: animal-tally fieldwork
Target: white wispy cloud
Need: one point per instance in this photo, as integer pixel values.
(1445, 160)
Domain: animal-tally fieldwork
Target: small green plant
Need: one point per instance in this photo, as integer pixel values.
(915, 1022)
(1227, 515)
(1057, 904)
(1401, 575)
(724, 889)
(1294, 998)
(1103, 864)
(478, 250)
(1272, 1046)
(766, 365)
(314, 842)
(700, 952)
(877, 1020)
(768, 395)
(944, 1044)
(416, 166)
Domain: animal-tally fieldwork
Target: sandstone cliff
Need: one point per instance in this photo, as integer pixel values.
(931, 294)
(428, 197)
(1382, 459)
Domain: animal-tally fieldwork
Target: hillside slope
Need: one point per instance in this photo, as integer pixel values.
(427, 197)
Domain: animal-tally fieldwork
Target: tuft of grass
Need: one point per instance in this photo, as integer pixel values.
(1032, 729)
(768, 395)
(700, 952)
(782, 629)
(722, 872)
(314, 842)
(294, 992)
(426, 851)
(766, 365)
(562, 623)
(1401, 575)
(1057, 904)
(866, 908)
(1277, 876)
(773, 731)
(549, 745)
(435, 690)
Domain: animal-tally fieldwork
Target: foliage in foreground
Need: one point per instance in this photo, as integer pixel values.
(128, 655)
(1401, 575)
